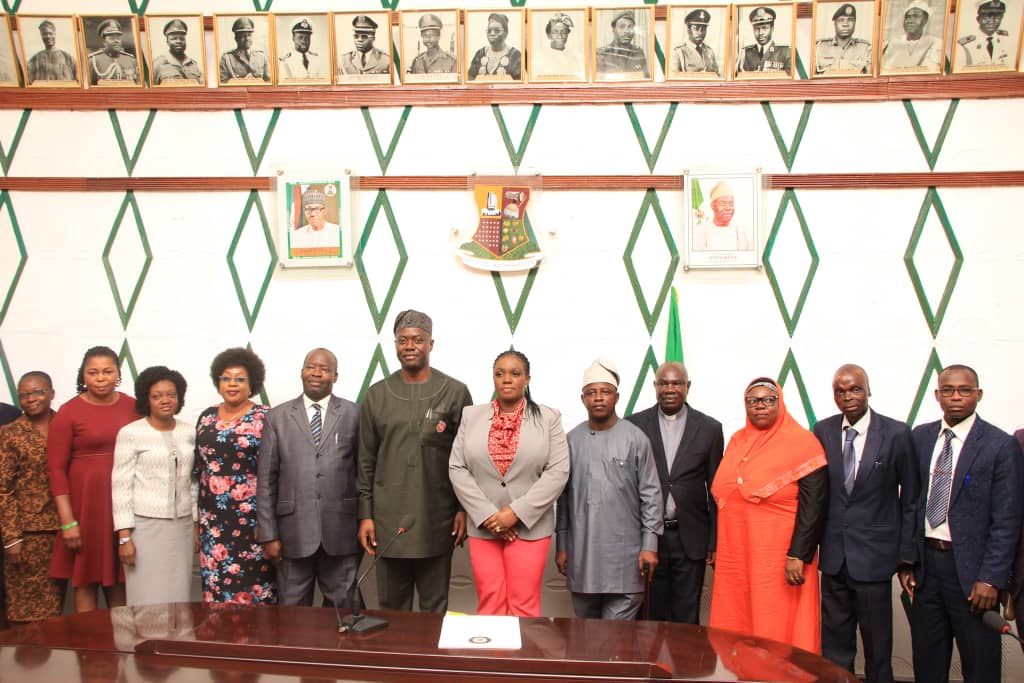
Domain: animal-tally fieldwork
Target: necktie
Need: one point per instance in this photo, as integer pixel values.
(849, 460)
(315, 424)
(942, 482)
(989, 47)
(305, 61)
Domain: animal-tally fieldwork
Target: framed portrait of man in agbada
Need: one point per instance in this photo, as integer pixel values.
(765, 41)
(176, 50)
(723, 219)
(987, 36)
(52, 57)
(559, 46)
(844, 38)
(315, 219)
(494, 46)
(623, 47)
(913, 36)
(363, 48)
(698, 40)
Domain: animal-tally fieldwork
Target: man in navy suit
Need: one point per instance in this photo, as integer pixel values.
(869, 530)
(968, 521)
(687, 448)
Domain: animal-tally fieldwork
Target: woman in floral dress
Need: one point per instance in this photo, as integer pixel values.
(228, 437)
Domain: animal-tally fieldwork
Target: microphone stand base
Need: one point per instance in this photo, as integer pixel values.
(361, 623)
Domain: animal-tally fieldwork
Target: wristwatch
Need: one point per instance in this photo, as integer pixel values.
(122, 541)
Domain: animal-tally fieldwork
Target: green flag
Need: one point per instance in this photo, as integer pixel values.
(674, 338)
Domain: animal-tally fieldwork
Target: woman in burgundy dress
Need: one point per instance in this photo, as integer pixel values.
(80, 458)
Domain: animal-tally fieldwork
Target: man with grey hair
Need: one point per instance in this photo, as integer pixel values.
(408, 422)
(611, 513)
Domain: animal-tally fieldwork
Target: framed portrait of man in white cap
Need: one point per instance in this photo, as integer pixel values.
(110, 54)
(314, 218)
(430, 46)
(698, 42)
(176, 50)
(559, 46)
(914, 37)
(623, 47)
(8, 61)
(844, 38)
(987, 36)
(723, 220)
(364, 52)
(244, 45)
(765, 41)
(304, 50)
(51, 56)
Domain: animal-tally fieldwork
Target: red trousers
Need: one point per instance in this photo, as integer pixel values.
(508, 575)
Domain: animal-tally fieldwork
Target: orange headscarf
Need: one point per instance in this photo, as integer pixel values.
(759, 462)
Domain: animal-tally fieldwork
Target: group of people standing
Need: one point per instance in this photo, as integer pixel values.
(804, 530)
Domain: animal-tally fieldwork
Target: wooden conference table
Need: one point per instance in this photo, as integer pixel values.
(198, 643)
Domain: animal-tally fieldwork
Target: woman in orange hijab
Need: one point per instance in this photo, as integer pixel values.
(771, 491)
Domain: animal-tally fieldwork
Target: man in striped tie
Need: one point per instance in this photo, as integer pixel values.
(969, 519)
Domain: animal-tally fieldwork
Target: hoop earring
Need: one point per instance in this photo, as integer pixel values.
(118, 382)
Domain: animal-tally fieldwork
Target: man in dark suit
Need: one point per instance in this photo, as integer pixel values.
(687, 448)
(306, 498)
(869, 529)
(968, 522)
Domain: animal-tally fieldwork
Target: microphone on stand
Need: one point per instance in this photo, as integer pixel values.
(363, 623)
(995, 621)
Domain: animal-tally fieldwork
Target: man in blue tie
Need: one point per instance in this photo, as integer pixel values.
(968, 522)
(869, 532)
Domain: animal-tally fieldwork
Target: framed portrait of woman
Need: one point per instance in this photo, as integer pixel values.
(698, 39)
(429, 45)
(176, 50)
(559, 45)
(765, 41)
(51, 53)
(623, 44)
(363, 48)
(494, 46)
(987, 36)
(913, 37)
(844, 43)
(244, 45)
(110, 54)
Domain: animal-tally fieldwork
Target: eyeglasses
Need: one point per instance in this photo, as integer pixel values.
(767, 401)
(964, 391)
(224, 379)
(36, 393)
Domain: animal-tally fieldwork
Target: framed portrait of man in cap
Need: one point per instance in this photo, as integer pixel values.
(244, 44)
(844, 38)
(559, 46)
(176, 50)
(623, 44)
(723, 220)
(8, 60)
(765, 41)
(110, 54)
(494, 46)
(315, 219)
(430, 46)
(913, 36)
(51, 52)
(698, 41)
(303, 49)
(363, 48)
(987, 36)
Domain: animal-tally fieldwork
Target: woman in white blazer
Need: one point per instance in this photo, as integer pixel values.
(509, 463)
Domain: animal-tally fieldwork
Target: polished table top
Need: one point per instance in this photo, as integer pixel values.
(200, 642)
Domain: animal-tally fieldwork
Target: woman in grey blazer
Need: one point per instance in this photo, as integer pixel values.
(509, 463)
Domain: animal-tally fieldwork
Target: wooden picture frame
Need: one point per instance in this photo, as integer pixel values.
(52, 56)
(430, 46)
(111, 55)
(352, 30)
(235, 68)
(10, 73)
(844, 38)
(911, 46)
(765, 40)
(987, 36)
(623, 44)
(500, 58)
(301, 35)
(698, 40)
(559, 46)
(172, 62)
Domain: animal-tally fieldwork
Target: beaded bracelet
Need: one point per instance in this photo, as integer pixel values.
(69, 525)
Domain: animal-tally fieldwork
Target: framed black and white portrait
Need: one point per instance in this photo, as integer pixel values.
(623, 44)
(176, 49)
(8, 56)
(494, 46)
(430, 46)
(244, 46)
(111, 50)
(844, 38)
(698, 40)
(913, 36)
(559, 45)
(363, 47)
(51, 53)
(723, 218)
(303, 43)
(987, 36)
(765, 41)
